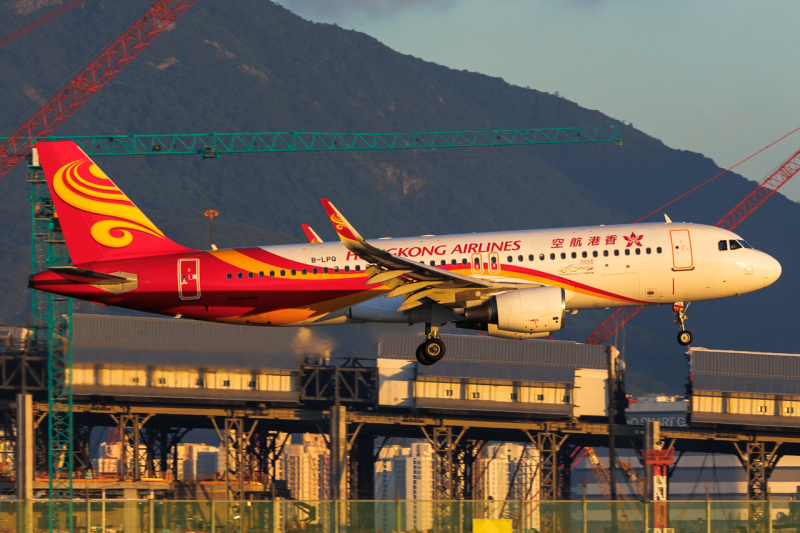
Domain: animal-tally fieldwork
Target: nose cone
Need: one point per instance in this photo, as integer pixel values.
(770, 270)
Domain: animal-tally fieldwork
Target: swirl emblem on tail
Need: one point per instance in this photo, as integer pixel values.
(84, 186)
(338, 223)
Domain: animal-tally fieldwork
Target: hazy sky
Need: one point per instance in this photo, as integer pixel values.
(719, 78)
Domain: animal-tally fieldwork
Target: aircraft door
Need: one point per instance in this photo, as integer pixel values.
(189, 279)
(477, 264)
(494, 263)
(681, 249)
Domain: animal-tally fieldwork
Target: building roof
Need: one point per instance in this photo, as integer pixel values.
(478, 357)
(98, 338)
(745, 372)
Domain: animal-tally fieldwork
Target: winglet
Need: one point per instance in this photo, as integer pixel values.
(311, 235)
(669, 221)
(345, 230)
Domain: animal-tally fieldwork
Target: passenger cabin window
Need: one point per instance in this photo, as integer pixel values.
(627, 251)
(541, 257)
(552, 256)
(325, 270)
(314, 270)
(464, 261)
(305, 271)
(229, 275)
(433, 263)
(261, 274)
(294, 272)
(616, 252)
(358, 268)
(735, 244)
(493, 259)
(520, 258)
(335, 270)
(444, 263)
(347, 269)
(239, 275)
(530, 257)
(594, 253)
(283, 272)
(272, 273)
(574, 255)
(250, 275)
(605, 253)
(723, 245)
(638, 251)
(510, 259)
(454, 262)
(584, 255)
(563, 255)
(658, 250)
(477, 261)
(648, 250)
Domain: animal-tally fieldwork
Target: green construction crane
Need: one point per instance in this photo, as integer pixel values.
(52, 315)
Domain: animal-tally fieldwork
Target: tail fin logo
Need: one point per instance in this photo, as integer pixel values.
(84, 186)
(338, 223)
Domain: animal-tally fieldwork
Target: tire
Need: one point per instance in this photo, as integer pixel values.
(432, 350)
(422, 358)
(685, 338)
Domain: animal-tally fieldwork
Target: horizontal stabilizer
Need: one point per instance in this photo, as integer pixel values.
(89, 276)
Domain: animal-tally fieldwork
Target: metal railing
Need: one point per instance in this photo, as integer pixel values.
(578, 516)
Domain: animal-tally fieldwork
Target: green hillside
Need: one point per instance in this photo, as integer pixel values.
(250, 65)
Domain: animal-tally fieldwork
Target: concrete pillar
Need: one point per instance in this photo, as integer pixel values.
(130, 510)
(25, 458)
(339, 461)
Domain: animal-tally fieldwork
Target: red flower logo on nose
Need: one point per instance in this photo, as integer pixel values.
(633, 239)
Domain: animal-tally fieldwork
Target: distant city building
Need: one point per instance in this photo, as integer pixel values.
(305, 464)
(200, 462)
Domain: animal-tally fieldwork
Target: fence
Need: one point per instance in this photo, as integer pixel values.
(162, 516)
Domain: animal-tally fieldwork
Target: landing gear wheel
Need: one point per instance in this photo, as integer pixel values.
(422, 358)
(685, 338)
(430, 351)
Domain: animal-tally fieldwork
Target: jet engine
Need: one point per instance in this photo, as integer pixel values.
(523, 313)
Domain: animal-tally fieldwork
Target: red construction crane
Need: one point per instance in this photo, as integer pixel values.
(161, 14)
(743, 209)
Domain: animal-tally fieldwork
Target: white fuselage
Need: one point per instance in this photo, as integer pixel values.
(598, 266)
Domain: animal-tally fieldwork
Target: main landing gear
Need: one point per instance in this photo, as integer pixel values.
(432, 349)
(685, 337)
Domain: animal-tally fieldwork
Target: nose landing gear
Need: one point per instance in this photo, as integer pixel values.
(432, 349)
(685, 337)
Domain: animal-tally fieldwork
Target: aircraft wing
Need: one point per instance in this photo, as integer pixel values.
(410, 278)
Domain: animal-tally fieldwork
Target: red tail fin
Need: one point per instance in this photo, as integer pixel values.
(98, 220)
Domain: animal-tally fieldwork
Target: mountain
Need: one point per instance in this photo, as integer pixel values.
(251, 65)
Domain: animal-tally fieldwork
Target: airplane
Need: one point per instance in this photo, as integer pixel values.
(510, 284)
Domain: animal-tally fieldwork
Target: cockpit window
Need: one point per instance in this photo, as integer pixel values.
(723, 245)
(744, 243)
(735, 244)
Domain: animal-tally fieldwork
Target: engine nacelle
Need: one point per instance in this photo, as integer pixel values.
(494, 331)
(524, 311)
(535, 310)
